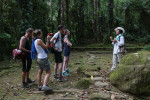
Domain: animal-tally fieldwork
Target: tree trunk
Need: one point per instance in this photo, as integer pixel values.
(59, 12)
(99, 21)
(51, 16)
(62, 9)
(111, 17)
(127, 18)
(67, 14)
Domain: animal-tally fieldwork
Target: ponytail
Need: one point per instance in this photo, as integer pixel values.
(36, 33)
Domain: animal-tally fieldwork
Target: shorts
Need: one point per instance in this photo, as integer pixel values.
(26, 63)
(43, 64)
(66, 53)
(58, 57)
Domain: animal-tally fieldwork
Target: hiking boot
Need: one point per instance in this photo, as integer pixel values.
(65, 74)
(56, 76)
(61, 79)
(30, 81)
(40, 88)
(25, 85)
(46, 88)
(68, 71)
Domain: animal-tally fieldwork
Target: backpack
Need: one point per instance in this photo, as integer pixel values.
(52, 50)
(18, 54)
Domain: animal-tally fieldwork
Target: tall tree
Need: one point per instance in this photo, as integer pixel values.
(59, 12)
(67, 14)
(51, 16)
(99, 21)
(62, 12)
(111, 16)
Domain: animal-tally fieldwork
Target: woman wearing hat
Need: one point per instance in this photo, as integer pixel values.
(119, 48)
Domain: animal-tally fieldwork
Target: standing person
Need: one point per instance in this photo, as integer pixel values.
(57, 52)
(42, 59)
(67, 45)
(118, 42)
(25, 46)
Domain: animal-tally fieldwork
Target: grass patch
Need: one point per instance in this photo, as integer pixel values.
(84, 83)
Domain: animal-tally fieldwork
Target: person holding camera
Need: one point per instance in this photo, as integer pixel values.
(56, 39)
(118, 43)
(42, 59)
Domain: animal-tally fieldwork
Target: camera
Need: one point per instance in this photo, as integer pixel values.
(50, 34)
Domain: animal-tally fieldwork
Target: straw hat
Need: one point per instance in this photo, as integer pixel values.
(120, 28)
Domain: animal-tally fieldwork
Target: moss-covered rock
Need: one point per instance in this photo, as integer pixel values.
(100, 96)
(133, 74)
(84, 83)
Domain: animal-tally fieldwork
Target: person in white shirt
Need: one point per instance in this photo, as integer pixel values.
(42, 60)
(56, 39)
(118, 42)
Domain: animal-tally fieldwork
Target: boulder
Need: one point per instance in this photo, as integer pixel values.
(133, 74)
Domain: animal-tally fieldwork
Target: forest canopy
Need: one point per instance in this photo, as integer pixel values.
(90, 21)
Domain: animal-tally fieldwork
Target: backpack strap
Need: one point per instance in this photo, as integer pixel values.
(57, 39)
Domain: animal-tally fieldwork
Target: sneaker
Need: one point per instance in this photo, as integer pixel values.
(25, 85)
(61, 80)
(39, 88)
(30, 81)
(65, 74)
(68, 71)
(46, 88)
(56, 76)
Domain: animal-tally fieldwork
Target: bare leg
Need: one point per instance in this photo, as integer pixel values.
(40, 71)
(27, 75)
(60, 67)
(23, 76)
(67, 62)
(55, 67)
(64, 64)
(46, 78)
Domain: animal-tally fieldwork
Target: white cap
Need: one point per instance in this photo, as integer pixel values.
(120, 28)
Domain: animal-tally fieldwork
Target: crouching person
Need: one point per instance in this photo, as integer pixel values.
(119, 46)
(42, 59)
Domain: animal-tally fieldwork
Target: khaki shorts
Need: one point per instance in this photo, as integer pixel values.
(43, 64)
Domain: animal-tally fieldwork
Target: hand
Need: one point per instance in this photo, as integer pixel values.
(111, 38)
(114, 41)
(70, 44)
(48, 37)
(56, 49)
(29, 51)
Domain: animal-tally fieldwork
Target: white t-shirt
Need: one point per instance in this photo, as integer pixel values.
(58, 44)
(40, 51)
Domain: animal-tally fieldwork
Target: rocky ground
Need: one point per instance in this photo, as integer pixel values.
(89, 80)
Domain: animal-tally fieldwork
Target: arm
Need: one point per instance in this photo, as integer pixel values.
(121, 42)
(113, 41)
(21, 46)
(52, 40)
(44, 46)
(54, 37)
(68, 43)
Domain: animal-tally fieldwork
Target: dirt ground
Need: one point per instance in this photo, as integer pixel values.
(84, 64)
